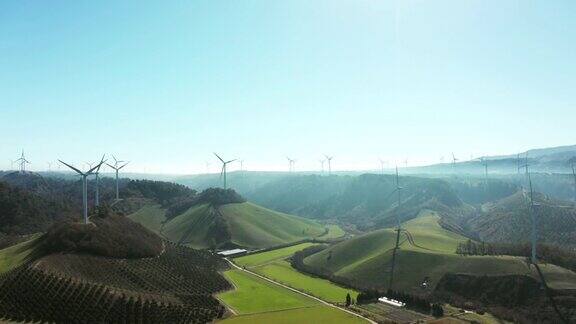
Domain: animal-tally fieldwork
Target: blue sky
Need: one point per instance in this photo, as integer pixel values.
(164, 84)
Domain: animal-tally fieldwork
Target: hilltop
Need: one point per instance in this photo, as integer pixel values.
(109, 270)
(30, 203)
(218, 218)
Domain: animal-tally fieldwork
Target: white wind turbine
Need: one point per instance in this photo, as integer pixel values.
(224, 164)
(84, 175)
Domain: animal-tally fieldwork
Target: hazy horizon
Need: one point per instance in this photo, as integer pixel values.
(165, 85)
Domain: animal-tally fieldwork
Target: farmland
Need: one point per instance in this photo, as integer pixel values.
(272, 264)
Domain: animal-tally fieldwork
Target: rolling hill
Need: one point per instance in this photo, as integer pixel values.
(427, 253)
(110, 270)
(367, 201)
(209, 224)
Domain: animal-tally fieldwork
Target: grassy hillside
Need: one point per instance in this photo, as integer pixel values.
(13, 256)
(427, 252)
(254, 226)
(238, 224)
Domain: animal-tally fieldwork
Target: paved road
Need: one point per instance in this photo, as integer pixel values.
(299, 292)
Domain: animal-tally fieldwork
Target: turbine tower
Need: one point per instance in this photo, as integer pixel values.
(291, 163)
(484, 162)
(329, 159)
(117, 168)
(572, 162)
(224, 164)
(381, 166)
(322, 165)
(22, 160)
(97, 173)
(454, 160)
(397, 190)
(84, 175)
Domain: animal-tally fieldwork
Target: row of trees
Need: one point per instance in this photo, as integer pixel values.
(548, 253)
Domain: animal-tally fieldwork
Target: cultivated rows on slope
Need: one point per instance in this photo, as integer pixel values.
(177, 286)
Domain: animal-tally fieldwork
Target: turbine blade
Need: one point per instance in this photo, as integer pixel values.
(219, 158)
(71, 167)
(230, 161)
(123, 165)
(113, 167)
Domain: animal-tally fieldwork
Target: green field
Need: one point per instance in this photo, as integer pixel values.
(281, 271)
(151, 216)
(272, 264)
(15, 255)
(247, 224)
(429, 253)
(334, 232)
(266, 257)
(255, 295)
(312, 315)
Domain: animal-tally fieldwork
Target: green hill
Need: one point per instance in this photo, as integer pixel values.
(237, 224)
(427, 252)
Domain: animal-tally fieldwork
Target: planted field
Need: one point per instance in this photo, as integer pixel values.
(282, 272)
(334, 232)
(272, 264)
(176, 286)
(255, 295)
(265, 257)
(314, 314)
(383, 312)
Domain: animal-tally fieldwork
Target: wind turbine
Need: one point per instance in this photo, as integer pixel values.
(382, 162)
(23, 162)
(454, 160)
(117, 168)
(224, 163)
(84, 175)
(97, 173)
(484, 162)
(291, 163)
(397, 190)
(322, 165)
(329, 159)
(49, 166)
